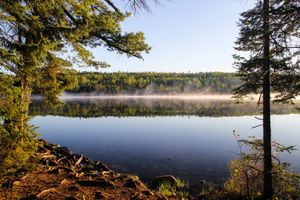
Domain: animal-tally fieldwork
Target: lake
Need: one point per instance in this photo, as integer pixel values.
(189, 138)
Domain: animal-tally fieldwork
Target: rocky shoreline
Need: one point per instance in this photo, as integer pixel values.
(61, 174)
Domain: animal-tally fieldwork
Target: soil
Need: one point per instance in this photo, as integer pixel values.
(61, 174)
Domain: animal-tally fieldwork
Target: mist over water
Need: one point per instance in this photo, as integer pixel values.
(154, 106)
(201, 96)
(147, 96)
(188, 136)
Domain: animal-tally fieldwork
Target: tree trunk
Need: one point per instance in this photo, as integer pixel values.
(26, 79)
(25, 100)
(268, 190)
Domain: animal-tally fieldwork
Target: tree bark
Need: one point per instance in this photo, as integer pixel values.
(268, 190)
(25, 100)
(26, 79)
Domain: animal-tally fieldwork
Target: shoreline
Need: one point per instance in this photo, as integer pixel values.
(61, 174)
(150, 97)
(202, 97)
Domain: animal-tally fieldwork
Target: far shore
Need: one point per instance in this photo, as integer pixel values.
(225, 97)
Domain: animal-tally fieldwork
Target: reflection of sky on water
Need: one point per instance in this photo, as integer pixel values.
(193, 148)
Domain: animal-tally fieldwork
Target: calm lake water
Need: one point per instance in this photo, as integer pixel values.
(191, 139)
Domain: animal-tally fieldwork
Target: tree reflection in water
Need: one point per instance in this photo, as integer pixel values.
(88, 108)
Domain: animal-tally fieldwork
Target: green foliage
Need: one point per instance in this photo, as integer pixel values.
(167, 189)
(17, 142)
(247, 172)
(208, 190)
(35, 37)
(15, 153)
(179, 189)
(39, 42)
(54, 82)
(284, 46)
(155, 83)
(269, 34)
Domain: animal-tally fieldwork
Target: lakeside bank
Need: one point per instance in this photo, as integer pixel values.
(60, 174)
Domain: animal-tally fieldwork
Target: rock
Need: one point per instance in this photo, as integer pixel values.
(163, 179)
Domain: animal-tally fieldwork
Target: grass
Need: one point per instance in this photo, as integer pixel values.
(180, 188)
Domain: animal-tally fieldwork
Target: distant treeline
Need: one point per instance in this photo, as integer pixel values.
(155, 83)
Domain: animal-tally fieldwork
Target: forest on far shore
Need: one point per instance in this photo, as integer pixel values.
(155, 83)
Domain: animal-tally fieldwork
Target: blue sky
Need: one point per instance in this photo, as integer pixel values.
(185, 36)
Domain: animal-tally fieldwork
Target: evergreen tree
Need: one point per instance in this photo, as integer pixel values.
(270, 34)
(140, 4)
(34, 38)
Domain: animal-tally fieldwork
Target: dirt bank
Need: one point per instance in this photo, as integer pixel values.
(61, 174)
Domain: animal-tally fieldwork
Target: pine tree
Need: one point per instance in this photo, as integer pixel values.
(270, 34)
(137, 5)
(34, 38)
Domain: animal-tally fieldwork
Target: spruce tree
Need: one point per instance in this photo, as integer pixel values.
(269, 33)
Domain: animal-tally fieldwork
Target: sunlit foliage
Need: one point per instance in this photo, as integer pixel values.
(247, 172)
(155, 83)
(39, 43)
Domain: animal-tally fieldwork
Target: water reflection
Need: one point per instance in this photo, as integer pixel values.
(87, 108)
(190, 139)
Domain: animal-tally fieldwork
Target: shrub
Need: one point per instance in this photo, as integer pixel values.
(247, 172)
